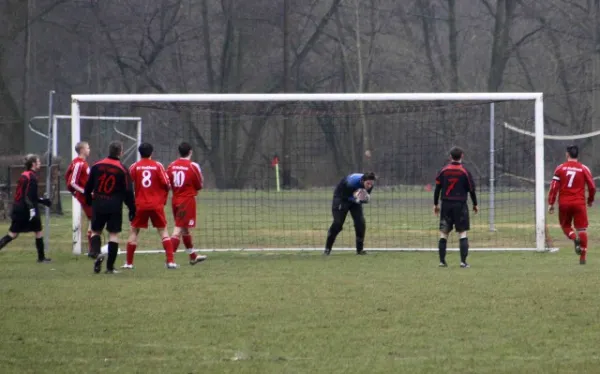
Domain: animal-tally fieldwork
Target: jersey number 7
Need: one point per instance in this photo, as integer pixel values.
(451, 183)
(571, 175)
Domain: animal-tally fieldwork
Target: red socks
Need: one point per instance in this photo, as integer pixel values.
(569, 233)
(175, 243)
(187, 241)
(130, 252)
(168, 246)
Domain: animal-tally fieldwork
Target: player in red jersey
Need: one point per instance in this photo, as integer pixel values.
(151, 186)
(186, 181)
(76, 177)
(569, 181)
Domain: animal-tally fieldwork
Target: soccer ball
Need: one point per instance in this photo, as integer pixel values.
(104, 249)
(362, 195)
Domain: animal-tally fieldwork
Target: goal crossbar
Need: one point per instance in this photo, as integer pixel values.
(537, 97)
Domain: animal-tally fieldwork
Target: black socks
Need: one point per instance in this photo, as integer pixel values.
(5, 240)
(39, 245)
(442, 249)
(95, 243)
(113, 251)
(464, 249)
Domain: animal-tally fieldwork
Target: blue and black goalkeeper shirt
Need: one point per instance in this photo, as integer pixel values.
(344, 191)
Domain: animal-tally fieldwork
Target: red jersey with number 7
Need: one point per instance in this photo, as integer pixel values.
(150, 184)
(186, 178)
(569, 183)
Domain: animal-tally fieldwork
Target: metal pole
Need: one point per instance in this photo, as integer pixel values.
(492, 194)
(49, 169)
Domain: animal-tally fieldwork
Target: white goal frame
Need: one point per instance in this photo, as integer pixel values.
(538, 111)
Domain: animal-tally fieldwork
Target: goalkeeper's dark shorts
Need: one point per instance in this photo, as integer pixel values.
(20, 222)
(454, 215)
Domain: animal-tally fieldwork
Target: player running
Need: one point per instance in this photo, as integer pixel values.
(108, 187)
(346, 200)
(454, 182)
(76, 177)
(569, 181)
(186, 180)
(25, 215)
(151, 186)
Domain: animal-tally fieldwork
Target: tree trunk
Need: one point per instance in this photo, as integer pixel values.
(453, 46)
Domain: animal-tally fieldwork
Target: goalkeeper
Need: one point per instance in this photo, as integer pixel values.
(349, 195)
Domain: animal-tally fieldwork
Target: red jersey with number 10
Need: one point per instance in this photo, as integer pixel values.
(150, 183)
(186, 178)
(569, 183)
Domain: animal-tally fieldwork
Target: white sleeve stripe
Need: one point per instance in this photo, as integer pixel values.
(556, 178)
(74, 178)
(197, 169)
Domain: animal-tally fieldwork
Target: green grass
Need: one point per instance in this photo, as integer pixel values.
(300, 312)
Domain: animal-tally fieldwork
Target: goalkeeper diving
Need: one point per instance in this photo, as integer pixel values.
(349, 195)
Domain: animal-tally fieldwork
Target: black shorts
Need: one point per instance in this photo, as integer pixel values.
(454, 214)
(22, 224)
(113, 221)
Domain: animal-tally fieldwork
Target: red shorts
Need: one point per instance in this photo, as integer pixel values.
(576, 214)
(184, 212)
(157, 216)
(87, 210)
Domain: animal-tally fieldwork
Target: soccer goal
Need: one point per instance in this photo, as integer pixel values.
(250, 144)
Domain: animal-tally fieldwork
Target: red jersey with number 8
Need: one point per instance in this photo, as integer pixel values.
(150, 183)
(569, 183)
(186, 178)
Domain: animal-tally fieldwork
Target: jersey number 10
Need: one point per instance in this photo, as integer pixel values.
(178, 178)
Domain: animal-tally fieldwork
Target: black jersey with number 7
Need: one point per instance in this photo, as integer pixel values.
(109, 186)
(454, 183)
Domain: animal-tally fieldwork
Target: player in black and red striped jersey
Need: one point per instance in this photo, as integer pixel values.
(25, 215)
(454, 183)
(108, 187)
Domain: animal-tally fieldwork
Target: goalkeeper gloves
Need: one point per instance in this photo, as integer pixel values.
(131, 215)
(31, 213)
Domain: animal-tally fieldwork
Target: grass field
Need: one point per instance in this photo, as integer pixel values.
(300, 312)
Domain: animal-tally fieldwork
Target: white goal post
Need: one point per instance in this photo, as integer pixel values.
(483, 97)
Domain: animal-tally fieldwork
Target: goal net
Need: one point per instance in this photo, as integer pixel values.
(271, 161)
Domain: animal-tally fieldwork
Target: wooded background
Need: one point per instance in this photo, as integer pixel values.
(224, 46)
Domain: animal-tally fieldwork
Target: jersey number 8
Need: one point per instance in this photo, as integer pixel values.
(146, 178)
